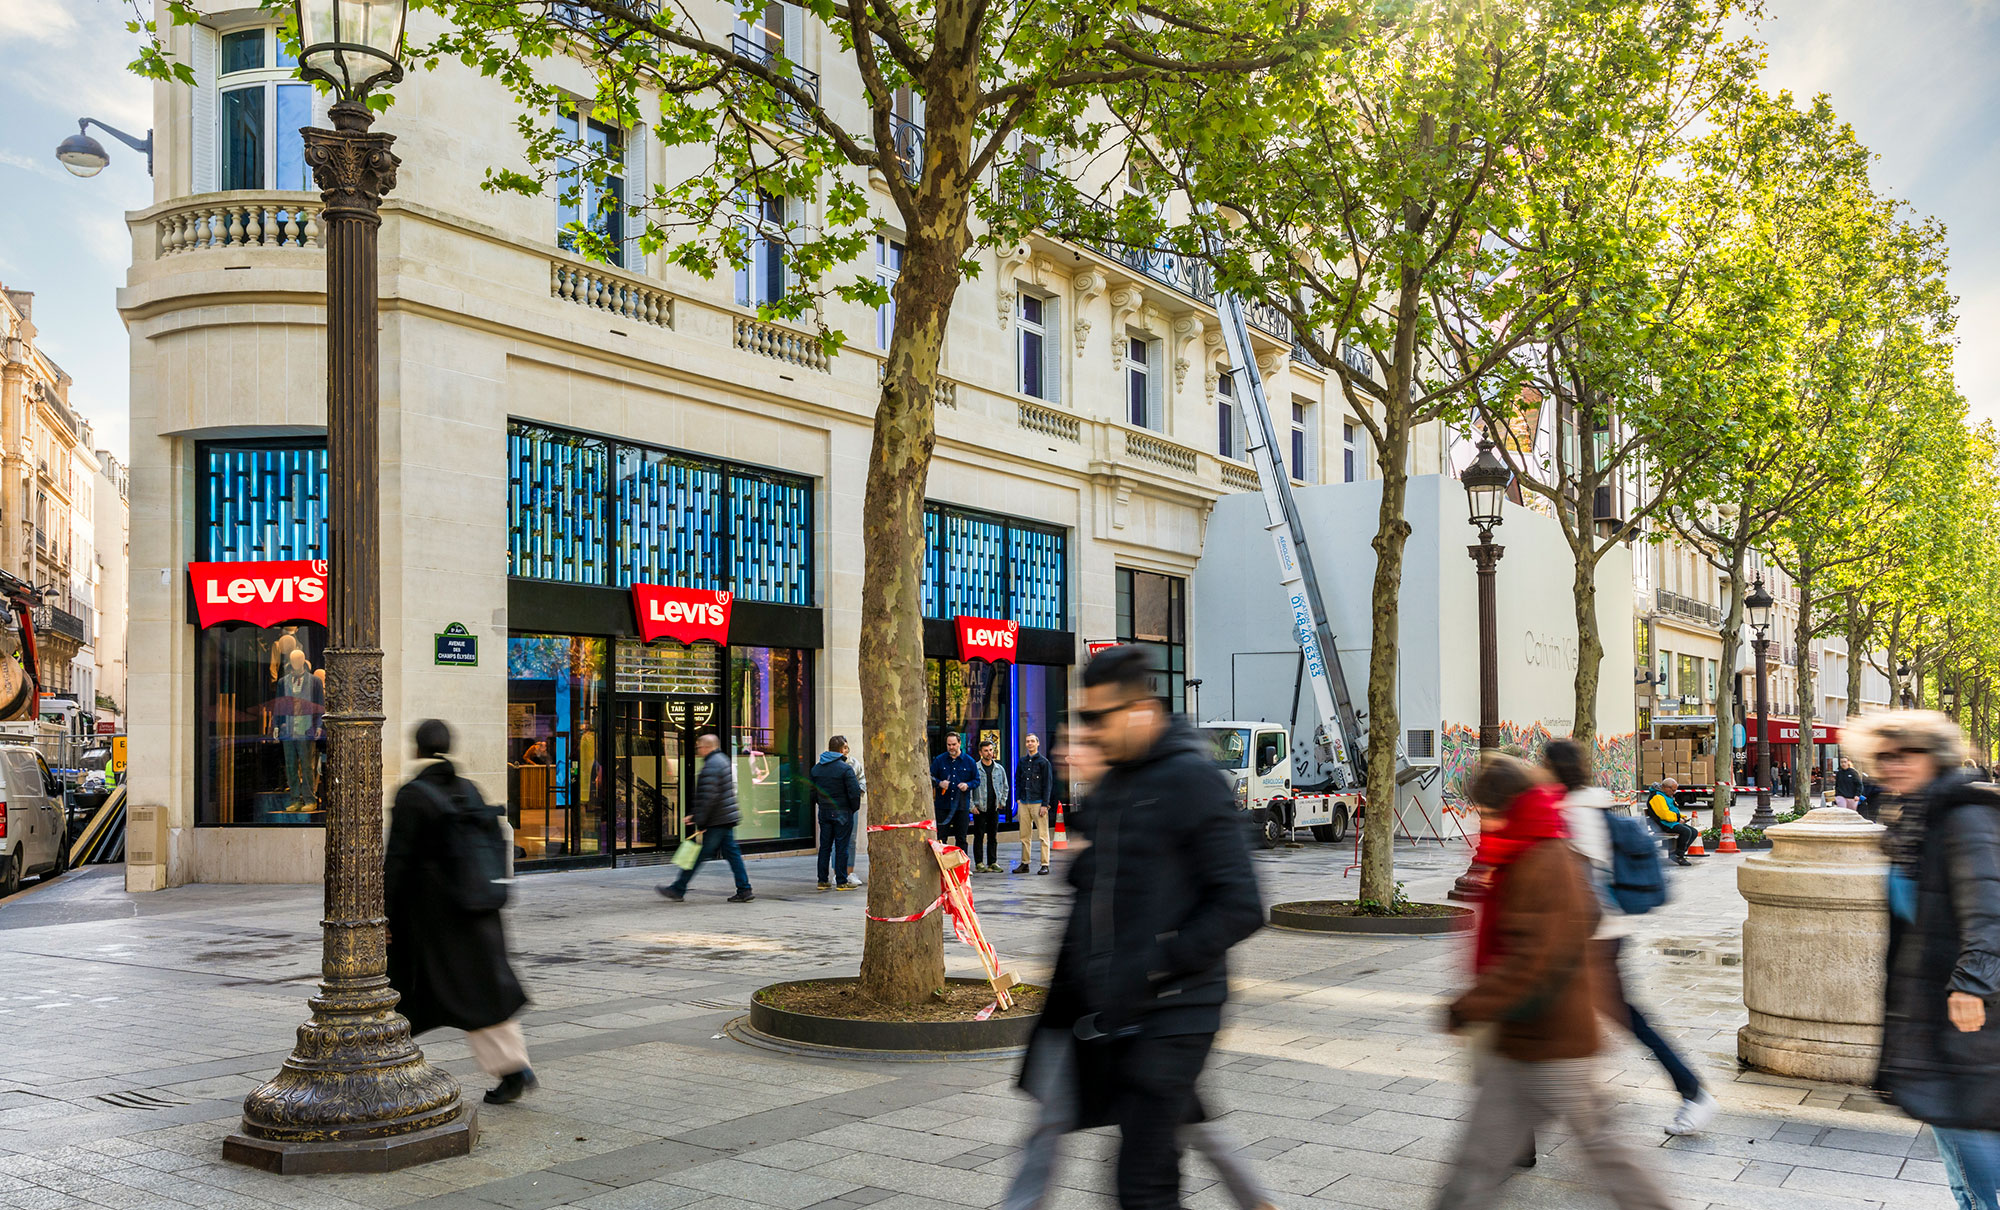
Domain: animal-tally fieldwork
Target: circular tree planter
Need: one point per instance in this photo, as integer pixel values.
(823, 1032)
(1337, 916)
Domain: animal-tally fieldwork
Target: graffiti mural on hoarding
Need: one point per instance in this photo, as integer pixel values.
(1617, 757)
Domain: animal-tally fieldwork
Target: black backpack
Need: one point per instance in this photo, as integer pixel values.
(472, 861)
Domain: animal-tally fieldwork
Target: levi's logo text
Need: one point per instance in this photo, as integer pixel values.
(263, 594)
(988, 639)
(684, 614)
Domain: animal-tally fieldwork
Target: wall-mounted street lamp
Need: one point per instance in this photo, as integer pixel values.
(85, 156)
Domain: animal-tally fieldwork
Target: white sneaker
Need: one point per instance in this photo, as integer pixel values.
(1694, 1115)
(854, 882)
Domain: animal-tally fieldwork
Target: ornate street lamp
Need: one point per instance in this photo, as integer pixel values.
(85, 156)
(1485, 481)
(1759, 603)
(1903, 671)
(356, 1095)
(1948, 699)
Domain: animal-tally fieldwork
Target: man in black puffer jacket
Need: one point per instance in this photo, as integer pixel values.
(712, 812)
(1163, 891)
(1940, 1041)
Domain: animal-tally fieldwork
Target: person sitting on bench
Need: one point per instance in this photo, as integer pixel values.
(1665, 811)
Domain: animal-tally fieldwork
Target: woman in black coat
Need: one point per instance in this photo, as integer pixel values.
(1940, 1045)
(448, 963)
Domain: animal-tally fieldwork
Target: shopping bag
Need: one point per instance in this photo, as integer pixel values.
(689, 852)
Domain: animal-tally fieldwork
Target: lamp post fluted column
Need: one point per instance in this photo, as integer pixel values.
(1762, 817)
(1486, 563)
(356, 1094)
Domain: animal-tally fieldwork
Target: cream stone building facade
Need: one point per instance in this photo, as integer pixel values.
(47, 483)
(559, 436)
(112, 540)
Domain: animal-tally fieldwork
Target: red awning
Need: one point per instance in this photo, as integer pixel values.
(1786, 731)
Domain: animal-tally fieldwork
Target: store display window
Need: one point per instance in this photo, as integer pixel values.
(261, 746)
(558, 782)
(772, 742)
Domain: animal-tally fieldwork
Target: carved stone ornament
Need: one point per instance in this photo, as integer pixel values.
(1090, 286)
(1012, 260)
(1126, 303)
(1188, 331)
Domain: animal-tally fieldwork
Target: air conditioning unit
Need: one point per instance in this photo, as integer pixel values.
(1421, 747)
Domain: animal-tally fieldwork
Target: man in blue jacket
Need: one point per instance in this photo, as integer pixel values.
(837, 794)
(953, 774)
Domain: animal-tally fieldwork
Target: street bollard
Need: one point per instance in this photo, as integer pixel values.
(1813, 949)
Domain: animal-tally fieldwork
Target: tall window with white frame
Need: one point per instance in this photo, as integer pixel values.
(261, 106)
(1302, 451)
(762, 282)
(1035, 317)
(1141, 407)
(888, 267)
(1350, 451)
(596, 208)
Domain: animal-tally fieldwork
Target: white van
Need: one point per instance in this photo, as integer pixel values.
(33, 832)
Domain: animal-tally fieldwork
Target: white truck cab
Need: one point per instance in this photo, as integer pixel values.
(1257, 759)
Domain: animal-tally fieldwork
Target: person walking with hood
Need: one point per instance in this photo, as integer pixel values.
(1940, 1040)
(837, 794)
(1533, 993)
(1585, 806)
(1162, 892)
(447, 947)
(713, 813)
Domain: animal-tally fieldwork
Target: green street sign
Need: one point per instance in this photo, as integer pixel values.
(458, 646)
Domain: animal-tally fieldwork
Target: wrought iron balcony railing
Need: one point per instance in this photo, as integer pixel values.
(908, 137)
(750, 48)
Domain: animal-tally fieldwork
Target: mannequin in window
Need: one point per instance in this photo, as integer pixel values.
(296, 708)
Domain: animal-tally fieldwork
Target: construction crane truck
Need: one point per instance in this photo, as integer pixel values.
(1255, 754)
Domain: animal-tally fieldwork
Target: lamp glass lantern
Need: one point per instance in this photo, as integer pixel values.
(1948, 698)
(1486, 481)
(354, 45)
(1759, 603)
(81, 154)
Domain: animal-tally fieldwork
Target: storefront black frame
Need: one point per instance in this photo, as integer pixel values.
(592, 611)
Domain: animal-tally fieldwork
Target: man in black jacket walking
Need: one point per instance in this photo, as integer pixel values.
(713, 813)
(837, 794)
(1164, 890)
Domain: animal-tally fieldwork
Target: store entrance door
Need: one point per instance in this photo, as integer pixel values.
(654, 744)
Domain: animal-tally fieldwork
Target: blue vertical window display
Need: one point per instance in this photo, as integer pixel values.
(988, 566)
(667, 509)
(555, 505)
(262, 503)
(585, 510)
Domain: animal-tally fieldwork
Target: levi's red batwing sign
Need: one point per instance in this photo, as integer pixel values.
(987, 638)
(262, 594)
(686, 614)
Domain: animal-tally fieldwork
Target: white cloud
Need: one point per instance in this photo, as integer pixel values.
(37, 20)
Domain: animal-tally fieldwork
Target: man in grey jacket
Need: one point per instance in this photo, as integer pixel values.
(990, 796)
(713, 814)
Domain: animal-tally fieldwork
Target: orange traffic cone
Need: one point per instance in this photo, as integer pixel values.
(1726, 843)
(1695, 849)
(1059, 839)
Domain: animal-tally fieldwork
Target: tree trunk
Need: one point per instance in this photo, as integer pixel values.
(1392, 531)
(903, 963)
(1732, 649)
(1807, 690)
(1589, 643)
(1856, 636)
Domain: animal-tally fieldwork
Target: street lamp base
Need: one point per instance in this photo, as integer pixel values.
(1472, 885)
(292, 1157)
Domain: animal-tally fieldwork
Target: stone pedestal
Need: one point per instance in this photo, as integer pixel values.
(1813, 949)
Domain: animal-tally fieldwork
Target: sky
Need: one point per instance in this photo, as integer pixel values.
(1914, 77)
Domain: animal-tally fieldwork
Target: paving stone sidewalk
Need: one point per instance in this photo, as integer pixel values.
(132, 1026)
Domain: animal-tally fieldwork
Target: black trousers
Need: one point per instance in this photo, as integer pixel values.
(1683, 835)
(1153, 1097)
(951, 825)
(986, 838)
